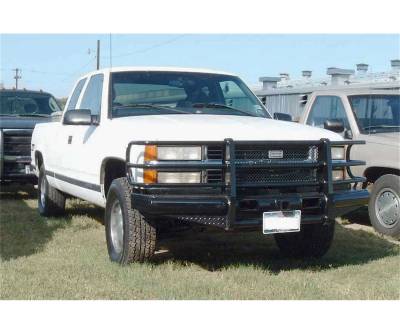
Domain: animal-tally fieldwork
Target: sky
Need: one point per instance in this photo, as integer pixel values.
(53, 62)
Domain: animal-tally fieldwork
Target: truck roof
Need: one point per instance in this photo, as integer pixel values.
(157, 69)
(24, 91)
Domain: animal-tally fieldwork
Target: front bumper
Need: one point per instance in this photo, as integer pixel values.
(215, 210)
(17, 169)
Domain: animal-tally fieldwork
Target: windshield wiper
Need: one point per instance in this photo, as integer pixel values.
(219, 106)
(17, 115)
(42, 115)
(148, 106)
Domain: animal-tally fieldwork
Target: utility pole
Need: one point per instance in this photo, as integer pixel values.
(98, 54)
(17, 77)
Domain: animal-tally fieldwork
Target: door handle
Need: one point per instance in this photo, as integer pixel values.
(69, 139)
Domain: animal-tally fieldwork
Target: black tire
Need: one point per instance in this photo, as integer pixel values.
(139, 233)
(52, 202)
(386, 187)
(313, 241)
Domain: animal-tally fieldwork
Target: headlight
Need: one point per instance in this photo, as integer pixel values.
(179, 177)
(171, 153)
(179, 153)
(338, 153)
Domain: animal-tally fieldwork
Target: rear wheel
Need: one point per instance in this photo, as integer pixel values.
(51, 202)
(131, 237)
(313, 240)
(384, 205)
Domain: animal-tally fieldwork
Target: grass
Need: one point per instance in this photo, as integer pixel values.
(66, 258)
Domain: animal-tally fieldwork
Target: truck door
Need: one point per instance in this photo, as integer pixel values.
(59, 156)
(79, 172)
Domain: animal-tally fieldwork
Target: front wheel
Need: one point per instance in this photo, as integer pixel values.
(312, 240)
(384, 205)
(130, 236)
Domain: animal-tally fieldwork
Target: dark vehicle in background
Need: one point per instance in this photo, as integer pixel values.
(20, 111)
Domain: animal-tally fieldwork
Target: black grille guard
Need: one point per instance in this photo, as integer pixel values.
(324, 164)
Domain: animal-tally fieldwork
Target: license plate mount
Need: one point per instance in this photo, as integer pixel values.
(281, 221)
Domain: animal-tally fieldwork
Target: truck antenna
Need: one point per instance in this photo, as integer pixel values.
(98, 55)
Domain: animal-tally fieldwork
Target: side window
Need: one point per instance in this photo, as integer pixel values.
(327, 107)
(92, 97)
(75, 95)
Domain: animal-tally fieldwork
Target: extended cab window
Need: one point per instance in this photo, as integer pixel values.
(92, 97)
(75, 95)
(327, 108)
(152, 92)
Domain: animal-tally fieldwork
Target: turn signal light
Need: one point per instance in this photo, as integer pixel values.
(150, 154)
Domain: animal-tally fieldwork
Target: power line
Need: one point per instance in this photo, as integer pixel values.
(34, 71)
(169, 41)
(44, 72)
(80, 69)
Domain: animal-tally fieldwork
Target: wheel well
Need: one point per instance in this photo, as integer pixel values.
(38, 159)
(111, 169)
(373, 173)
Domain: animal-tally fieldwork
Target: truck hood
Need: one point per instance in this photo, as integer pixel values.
(216, 127)
(21, 122)
(390, 139)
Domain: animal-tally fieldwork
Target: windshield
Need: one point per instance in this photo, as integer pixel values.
(376, 113)
(152, 93)
(27, 104)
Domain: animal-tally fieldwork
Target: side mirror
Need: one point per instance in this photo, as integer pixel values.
(282, 116)
(78, 117)
(334, 125)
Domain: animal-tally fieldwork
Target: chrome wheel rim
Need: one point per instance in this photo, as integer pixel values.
(387, 207)
(116, 227)
(43, 191)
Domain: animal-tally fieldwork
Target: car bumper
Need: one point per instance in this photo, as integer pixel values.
(20, 171)
(215, 210)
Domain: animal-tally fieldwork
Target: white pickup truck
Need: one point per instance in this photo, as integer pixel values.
(164, 147)
(372, 116)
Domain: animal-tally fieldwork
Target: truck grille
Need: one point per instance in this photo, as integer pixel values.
(290, 153)
(250, 176)
(16, 151)
(17, 142)
(214, 153)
